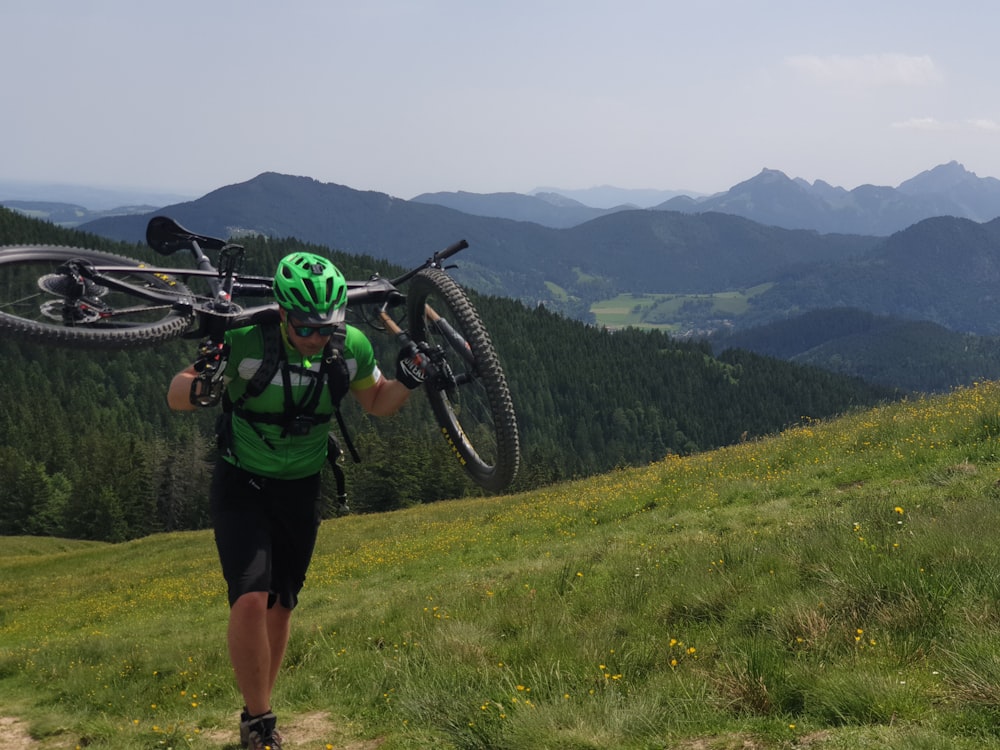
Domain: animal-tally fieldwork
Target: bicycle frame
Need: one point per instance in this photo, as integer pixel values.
(167, 237)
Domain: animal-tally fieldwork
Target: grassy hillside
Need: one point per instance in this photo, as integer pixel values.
(832, 587)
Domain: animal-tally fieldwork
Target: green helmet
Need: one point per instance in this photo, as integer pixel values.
(311, 288)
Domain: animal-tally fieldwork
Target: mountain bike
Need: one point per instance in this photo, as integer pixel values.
(75, 297)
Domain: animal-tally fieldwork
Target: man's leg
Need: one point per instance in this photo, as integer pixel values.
(279, 621)
(257, 640)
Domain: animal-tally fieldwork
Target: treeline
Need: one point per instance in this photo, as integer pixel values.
(88, 448)
(911, 355)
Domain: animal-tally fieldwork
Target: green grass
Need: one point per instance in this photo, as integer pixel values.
(557, 292)
(834, 587)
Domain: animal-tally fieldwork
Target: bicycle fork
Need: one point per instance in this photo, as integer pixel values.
(440, 372)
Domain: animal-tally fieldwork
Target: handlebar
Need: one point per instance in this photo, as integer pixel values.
(433, 262)
(451, 250)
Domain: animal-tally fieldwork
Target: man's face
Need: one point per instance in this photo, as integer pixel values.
(308, 340)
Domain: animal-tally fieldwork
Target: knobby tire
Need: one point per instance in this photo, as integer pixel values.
(477, 417)
(28, 312)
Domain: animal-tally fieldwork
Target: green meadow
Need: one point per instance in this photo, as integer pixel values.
(833, 587)
(672, 313)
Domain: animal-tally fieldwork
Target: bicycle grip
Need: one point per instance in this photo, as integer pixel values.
(389, 323)
(406, 344)
(451, 250)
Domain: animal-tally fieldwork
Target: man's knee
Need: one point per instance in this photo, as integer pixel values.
(251, 601)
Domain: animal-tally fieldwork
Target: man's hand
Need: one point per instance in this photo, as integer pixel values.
(413, 367)
(207, 386)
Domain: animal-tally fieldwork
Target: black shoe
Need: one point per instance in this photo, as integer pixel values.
(261, 732)
(245, 727)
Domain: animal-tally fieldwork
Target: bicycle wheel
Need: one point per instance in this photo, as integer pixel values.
(476, 415)
(42, 299)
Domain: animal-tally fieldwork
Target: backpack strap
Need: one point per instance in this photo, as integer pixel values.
(338, 380)
(273, 354)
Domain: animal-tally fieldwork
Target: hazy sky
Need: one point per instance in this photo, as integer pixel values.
(412, 96)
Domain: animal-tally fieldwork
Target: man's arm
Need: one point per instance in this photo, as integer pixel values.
(383, 398)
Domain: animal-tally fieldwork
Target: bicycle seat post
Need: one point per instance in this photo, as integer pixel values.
(230, 259)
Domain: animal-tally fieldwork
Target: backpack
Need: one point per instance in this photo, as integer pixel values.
(296, 418)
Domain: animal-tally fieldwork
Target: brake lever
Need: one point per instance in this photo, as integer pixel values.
(442, 376)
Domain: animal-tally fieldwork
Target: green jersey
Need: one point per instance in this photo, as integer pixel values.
(269, 450)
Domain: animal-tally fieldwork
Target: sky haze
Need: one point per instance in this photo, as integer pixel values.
(413, 96)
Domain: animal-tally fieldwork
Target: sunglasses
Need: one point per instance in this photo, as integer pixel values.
(307, 331)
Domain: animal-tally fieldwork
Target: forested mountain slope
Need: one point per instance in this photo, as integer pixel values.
(912, 355)
(944, 270)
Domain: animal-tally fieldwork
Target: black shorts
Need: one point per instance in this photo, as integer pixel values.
(265, 531)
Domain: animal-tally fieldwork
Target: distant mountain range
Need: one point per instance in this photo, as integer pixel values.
(548, 209)
(624, 251)
(943, 271)
(552, 207)
(87, 198)
(609, 196)
(773, 199)
(770, 198)
(71, 215)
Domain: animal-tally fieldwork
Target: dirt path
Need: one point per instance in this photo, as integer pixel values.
(305, 731)
(15, 734)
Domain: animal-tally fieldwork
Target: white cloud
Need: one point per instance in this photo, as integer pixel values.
(867, 70)
(991, 126)
(922, 123)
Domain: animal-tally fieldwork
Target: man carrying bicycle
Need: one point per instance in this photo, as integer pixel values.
(265, 492)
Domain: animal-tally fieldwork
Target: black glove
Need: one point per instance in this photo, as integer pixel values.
(206, 388)
(413, 366)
